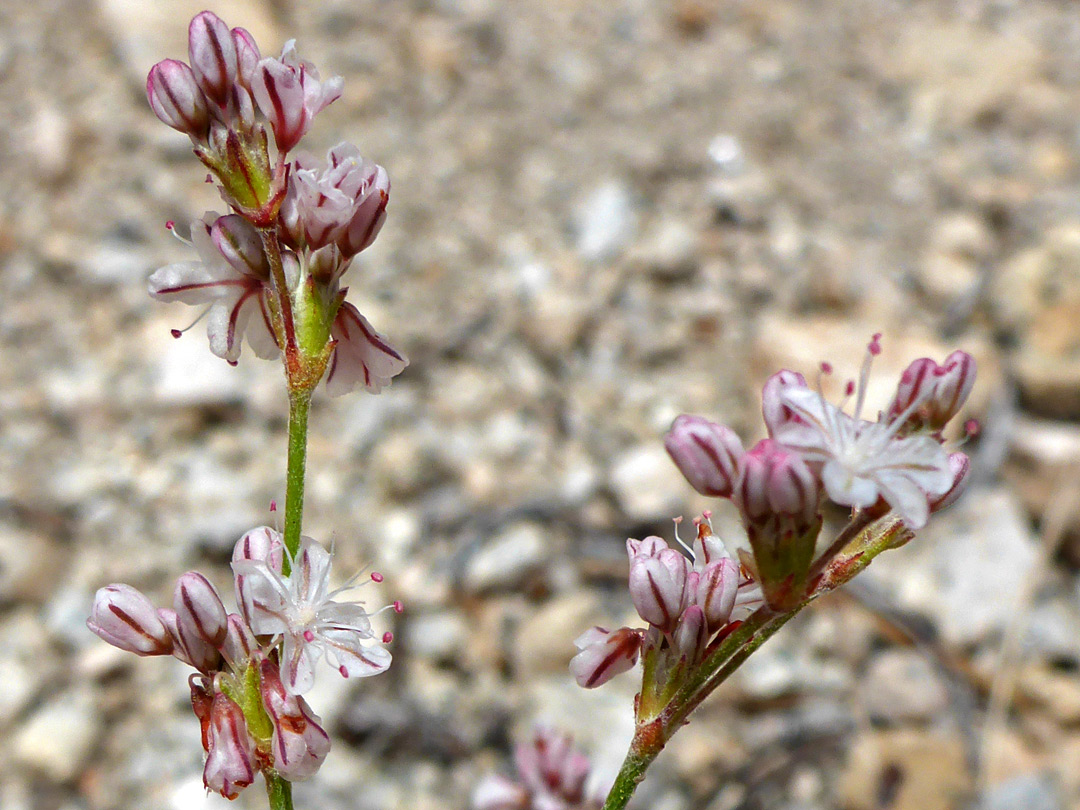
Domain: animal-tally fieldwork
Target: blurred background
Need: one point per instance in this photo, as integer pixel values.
(603, 214)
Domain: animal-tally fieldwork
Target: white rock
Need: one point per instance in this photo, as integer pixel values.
(58, 739)
(606, 222)
(508, 558)
(436, 636)
(902, 685)
(647, 484)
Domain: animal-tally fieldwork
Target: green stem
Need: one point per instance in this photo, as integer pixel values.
(644, 749)
(299, 405)
(279, 792)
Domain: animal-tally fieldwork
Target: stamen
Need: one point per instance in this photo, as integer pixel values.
(376, 576)
(398, 607)
(176, 333)
(309, 636)
(387, 637)
(687, 550)
(972, 428)
(344, 672)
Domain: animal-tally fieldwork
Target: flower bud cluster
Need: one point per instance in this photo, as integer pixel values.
(552, 775)
(815, 451)
(687, 597)
(253, 666)
(271, 271)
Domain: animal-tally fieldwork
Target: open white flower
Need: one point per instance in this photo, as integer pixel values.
(303, 611)
(862, 461)
(231, 277)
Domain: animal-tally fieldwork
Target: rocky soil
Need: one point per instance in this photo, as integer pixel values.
(604, 213)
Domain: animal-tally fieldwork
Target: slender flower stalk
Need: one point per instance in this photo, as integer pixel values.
(269, 275)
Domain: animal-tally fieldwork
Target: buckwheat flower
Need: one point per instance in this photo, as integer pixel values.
(362, 357)
(863, 461)
(603, 654)
(124, 617)
(342, 201)
(303, 611)
(706, 453)
(231, 278)
(658, 581)
(290, 94)
(299, 743)
(228, 768)
(175, 98)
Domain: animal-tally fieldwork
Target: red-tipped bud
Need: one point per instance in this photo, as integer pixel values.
(201, 620)
(706, 453)
(658, 583)
(212, 53)
(603, 655)
(124, 617)
(773, 409)
(176, 99)
(960, 467)
(228, 767)
(718, 585)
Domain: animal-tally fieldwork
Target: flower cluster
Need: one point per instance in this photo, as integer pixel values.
(551, 776)
(687, 595)
(816, 450)
(272, 269)
(253, 666)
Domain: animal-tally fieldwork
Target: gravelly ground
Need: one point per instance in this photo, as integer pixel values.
(603, 214)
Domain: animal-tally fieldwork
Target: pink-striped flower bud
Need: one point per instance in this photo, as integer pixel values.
(239, 243)
(299, 743)
(370, 211)
(290, 95)
(960, 467)
(930, 395)
(247, 56)
(954, 384)
(602, 655)
(239, 643)
(718, 584)
(201, 620)
(261, 544)
(228, 768)
(176, 99)
(658, 583)
(776, 481)
(773, 409)
(212, 52)
(706, 453)
(168, 619)
(692, 634)
(124, 617)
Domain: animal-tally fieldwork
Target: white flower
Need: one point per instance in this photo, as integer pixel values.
(362, 357)
(231, 277)
(302, 610)
(862, 460)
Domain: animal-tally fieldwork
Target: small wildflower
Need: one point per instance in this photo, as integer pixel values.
(290, 94)
(303, 611)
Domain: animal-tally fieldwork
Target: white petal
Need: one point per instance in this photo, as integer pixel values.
(362, 356)
(847, 488)
(264, 596)
(260, 334)
(358, 660)
(298, 663)
(311, 573)
(194, 283)
(906, 499)
(923, 460)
